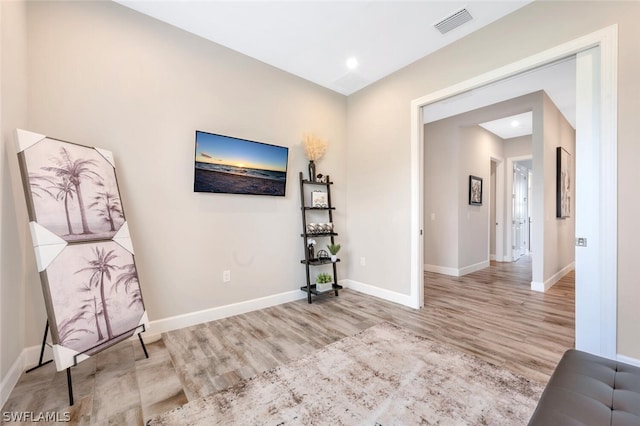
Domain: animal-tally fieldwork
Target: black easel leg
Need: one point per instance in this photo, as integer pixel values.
(44, 342)
(144, 348)
(69, 385)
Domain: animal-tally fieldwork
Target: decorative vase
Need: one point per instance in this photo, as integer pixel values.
(324, 286)
(334, 258)
(312, 171)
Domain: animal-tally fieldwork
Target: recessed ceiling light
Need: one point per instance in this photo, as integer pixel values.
(515, 123)
(352, 63)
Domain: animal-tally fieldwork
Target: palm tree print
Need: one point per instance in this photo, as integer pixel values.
(37, 184)
(65, 190)
(60, 189)
(92, 308)
(66, 328)
(108, 205)
(75, 171)
(127, 279)
(100, 268)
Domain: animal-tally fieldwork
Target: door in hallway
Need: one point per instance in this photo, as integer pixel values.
(520, 206)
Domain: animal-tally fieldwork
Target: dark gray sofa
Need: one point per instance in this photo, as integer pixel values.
(589, 390)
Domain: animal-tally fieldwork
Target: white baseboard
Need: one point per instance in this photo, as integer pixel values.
(186, 320)
(492, 257)
(391, 296)
(473, 268)
(27, 359)
(444, 270)
(455, 272)
(550, 282)
(11, 379)
(628, 360)
(29, 356)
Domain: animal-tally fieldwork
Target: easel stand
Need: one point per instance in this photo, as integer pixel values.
(69, 383)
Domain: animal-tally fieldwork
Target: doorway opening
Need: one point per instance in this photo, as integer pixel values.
(596, 322)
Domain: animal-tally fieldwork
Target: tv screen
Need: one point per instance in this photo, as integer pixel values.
(238, 166)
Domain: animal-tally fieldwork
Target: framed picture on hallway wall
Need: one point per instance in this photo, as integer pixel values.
(563, 183)
(475, 190)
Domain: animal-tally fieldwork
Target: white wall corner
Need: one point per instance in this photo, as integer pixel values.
(550, 282)
(457, 272)
(444, 270)
(27, 359)
(475, 267)
(10, 380)
(371, 290)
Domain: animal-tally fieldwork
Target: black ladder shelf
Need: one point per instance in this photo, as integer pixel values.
(310, 255)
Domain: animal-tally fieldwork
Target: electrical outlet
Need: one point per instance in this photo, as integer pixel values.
(363, 261)
(226, 276)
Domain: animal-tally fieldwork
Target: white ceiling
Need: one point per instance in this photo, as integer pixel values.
(557, 80)
(511, 127)
(314, 39)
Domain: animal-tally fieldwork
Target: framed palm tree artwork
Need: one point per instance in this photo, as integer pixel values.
(71, 189)
(83, 249)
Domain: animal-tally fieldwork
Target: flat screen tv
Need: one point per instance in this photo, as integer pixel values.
(230, 165)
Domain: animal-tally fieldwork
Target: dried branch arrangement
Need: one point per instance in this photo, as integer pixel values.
(314, 147)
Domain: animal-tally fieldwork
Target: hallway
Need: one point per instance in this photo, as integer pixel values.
(494, 314)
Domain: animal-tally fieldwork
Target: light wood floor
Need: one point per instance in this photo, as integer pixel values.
(491, 314)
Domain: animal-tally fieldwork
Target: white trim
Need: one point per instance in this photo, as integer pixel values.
(499, 229)
(508, 253)
(444, 270)
(609, 185)
(550, 282)
(457, 272)
(27, 358)
(492, 257)
(193, 318)
(10, 380)
(628, 360)
(416, 275)
(378, 292)
(607, 39)
(475, 267)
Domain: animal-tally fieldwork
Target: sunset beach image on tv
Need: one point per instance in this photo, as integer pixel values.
(230, 165)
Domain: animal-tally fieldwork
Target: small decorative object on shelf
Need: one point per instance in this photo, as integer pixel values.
(310, 245)
(319, 199)
(334, 249)
(324, 282)
(323, 255)
(313, 230)
(314, 148)
(312, 170)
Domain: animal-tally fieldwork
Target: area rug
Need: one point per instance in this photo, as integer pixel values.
(384, 375)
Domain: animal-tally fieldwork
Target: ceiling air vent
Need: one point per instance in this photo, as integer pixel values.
(453, 21)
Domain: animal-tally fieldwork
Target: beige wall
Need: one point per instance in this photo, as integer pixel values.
(477, 146)
(518, 147)
(103, 75)
(455, 148)
(379, 137)
(13, 113)
(559, 234)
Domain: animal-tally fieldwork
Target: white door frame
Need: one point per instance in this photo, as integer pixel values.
(605, 223)
(508, 253)
(498, 227)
